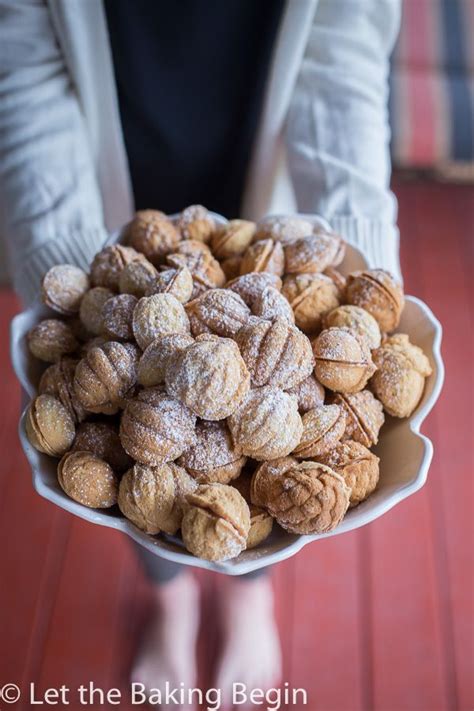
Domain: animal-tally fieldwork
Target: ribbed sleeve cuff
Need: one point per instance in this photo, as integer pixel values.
(75, 247)
(378, 241)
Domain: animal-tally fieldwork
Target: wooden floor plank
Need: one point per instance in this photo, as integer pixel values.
(284, 584)
(209, 641)
(445, 279)
(326, 627)
(33, 533)
(84, 632)
(407, 552)
(407, 646)
(132, 613)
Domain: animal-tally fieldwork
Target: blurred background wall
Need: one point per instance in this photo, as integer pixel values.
(432, 90)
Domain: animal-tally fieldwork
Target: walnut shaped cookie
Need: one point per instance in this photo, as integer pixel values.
(364, 416)
(196, 223)
(137, 277)
(231, 240)
(88, 480)
(358, 466)
(156, 428)
(313, 254)
(152, 233)
(218, 311)
(399, 381)
(117, 317)
(63, 288)
(209, 377)
(323, 427)
(276, 353)
(51, 339)
(311, 296)
(343, 360)
(379, 293)
(213, 457)
(267, 425)
(109, 263)
(304, 497)
(152, 497)
(49, 426)
(106, 376)
(263, 256)
(357, 320)
(216, 522)
(158, 315)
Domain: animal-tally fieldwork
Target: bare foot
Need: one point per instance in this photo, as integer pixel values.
(166, 657)
(251, 653)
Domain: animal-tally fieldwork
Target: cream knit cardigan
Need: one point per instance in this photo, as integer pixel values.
(321, 146)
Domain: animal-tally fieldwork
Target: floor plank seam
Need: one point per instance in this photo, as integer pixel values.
(366, 609)
(441, 568)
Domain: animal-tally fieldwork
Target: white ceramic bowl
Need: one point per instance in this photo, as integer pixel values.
(405, 454)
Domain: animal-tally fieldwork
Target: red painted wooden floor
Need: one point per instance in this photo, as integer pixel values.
(377, 619)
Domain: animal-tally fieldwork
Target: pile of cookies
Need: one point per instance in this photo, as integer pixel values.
(212, 379)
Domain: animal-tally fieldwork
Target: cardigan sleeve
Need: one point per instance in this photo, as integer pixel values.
(337, 125)
(50, 205)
